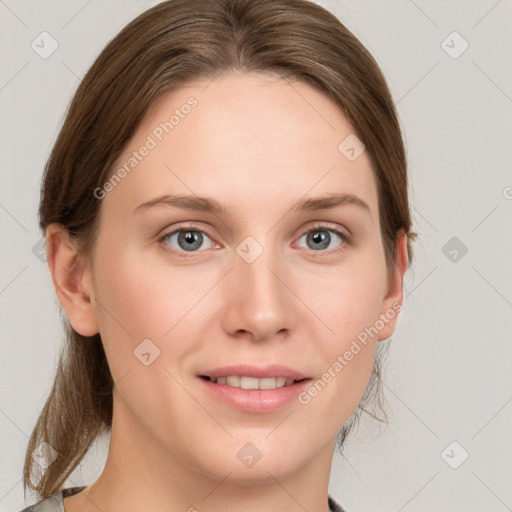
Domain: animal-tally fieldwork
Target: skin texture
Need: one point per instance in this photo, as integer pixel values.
(257, 144)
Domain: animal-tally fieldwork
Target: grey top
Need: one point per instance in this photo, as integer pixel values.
(54, 503)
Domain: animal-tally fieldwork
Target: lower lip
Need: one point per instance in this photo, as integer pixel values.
(256, 400)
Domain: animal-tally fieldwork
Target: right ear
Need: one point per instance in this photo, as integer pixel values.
(71, 279)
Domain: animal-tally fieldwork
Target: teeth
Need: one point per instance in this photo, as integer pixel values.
(250, 382)
(245, 382)
(232, 380)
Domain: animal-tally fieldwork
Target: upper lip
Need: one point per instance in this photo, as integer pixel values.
(260, 372)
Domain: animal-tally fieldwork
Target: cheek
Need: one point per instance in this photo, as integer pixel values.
(348, 302)
(126, 303)
(132, 294)
(349, 309)
(347, 299)
(138, 301)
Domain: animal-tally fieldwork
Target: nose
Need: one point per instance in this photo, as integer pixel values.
(258, 304)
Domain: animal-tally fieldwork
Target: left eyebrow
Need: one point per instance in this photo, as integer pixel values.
(330, 201)
(209, 205)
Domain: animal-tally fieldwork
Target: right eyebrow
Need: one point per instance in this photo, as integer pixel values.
(187, 202)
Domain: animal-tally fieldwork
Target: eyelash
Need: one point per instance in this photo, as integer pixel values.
(346, 239)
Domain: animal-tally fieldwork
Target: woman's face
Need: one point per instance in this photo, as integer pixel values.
(259, 282)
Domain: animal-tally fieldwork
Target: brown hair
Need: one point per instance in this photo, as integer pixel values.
(160, 51)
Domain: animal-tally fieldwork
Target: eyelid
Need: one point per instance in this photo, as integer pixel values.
(190, 225)
(329, 226)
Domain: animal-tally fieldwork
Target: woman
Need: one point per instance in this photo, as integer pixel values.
(228, 227)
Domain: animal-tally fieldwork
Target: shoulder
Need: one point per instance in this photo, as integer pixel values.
(53, 503)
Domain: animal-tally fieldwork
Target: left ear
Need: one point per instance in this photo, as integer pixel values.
(392, 303)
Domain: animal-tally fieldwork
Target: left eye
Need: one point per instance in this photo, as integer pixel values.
(320, 238)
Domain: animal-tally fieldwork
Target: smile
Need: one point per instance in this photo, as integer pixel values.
(245, 382)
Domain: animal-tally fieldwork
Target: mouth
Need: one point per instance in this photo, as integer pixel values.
(247, 382)
(253, 388)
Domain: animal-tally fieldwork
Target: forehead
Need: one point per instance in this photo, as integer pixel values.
(245, 139)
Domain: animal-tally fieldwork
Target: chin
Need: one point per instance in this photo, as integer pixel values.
(248, 465)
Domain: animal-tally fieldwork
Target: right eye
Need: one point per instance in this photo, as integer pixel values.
(185, 240)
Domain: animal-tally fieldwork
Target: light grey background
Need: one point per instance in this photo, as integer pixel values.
(448, 376)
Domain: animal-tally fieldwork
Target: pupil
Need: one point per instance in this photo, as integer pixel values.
(320, 236)
(189, 237)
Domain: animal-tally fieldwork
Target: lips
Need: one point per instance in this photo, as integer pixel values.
(246, 370)
(261, 399)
